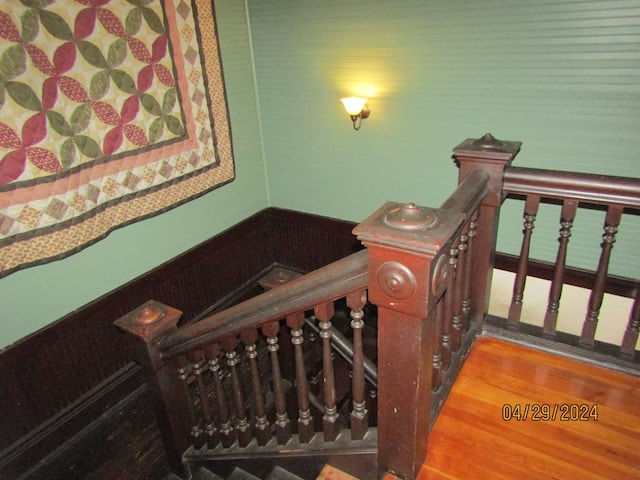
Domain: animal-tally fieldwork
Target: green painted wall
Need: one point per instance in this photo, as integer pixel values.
(33, 298)
(561, 76)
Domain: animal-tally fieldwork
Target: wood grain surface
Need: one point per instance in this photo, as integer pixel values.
(494, 424)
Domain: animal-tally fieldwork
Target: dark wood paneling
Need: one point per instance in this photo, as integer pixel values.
(60, 379)
(306, 242)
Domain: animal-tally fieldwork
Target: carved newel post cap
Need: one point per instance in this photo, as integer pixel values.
(278, 276)
(148, 315)
(405, 246)
(410, 217)
(488, 141)
(406, 226)
(488, 147)
(149, 320)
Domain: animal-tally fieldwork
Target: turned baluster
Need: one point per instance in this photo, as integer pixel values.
(447, 326)
(468, 267)
(315, 358)
(436, 357)
(199, 367)
(283, 426)
(359, 415)
(630, 338)
(614, 213)
(227, 433)
(456, 292)
(530, 211)
(243, 427)
(305, 420)
(263, 433)
(182, 367)
(457, 322)
(566, 223)
(330, 427)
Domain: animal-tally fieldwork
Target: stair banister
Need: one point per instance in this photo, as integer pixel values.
(405, 269)
(156, 338)
(322, 285)
(408, 260)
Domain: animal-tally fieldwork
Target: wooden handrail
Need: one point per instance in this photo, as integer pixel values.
(572, 189)
(325, 284)
(597, 189)
(428, 272)
(469, 193)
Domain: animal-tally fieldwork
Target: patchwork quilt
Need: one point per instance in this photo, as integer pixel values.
(111, 111)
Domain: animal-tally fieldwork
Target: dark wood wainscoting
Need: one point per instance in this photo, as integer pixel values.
(62, 378)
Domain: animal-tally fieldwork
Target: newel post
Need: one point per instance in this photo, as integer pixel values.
(493, 156)
(148, 324)
(407, 254)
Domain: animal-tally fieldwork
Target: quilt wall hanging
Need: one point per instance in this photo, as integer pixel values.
(111, 111)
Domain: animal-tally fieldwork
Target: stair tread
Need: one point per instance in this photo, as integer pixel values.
(240, 474)
(206, 474)
(279, 473)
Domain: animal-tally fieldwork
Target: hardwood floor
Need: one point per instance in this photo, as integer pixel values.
(493, 426)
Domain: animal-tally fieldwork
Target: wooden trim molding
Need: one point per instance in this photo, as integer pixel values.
(46, 438)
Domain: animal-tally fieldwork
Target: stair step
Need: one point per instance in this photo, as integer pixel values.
(239, 474)
(279, 473)
(205, 474)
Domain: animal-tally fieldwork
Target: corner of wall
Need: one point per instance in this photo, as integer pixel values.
(257, 97)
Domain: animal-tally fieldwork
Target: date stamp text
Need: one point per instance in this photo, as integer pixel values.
(545, 412)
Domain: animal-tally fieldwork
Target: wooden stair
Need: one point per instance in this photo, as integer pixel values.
(277, 473)
(237, 473)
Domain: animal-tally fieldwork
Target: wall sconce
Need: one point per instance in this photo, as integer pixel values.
(357, 109)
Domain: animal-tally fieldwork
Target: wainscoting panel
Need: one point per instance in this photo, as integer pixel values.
(59, 380)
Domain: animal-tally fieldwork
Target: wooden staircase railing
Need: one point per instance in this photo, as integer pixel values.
(616, 197)
(427, 270)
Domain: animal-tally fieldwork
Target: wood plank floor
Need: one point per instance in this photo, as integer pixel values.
(472, 440)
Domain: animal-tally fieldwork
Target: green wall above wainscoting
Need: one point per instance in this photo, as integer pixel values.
(561, 76)
(31, 299)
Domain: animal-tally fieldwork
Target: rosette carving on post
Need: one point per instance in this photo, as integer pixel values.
(405, 242)
(408, 249)
(396, 280)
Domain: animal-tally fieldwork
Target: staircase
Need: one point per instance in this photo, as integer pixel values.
(285, 469)
(277, 473)
(235, 391)
(302, 460)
